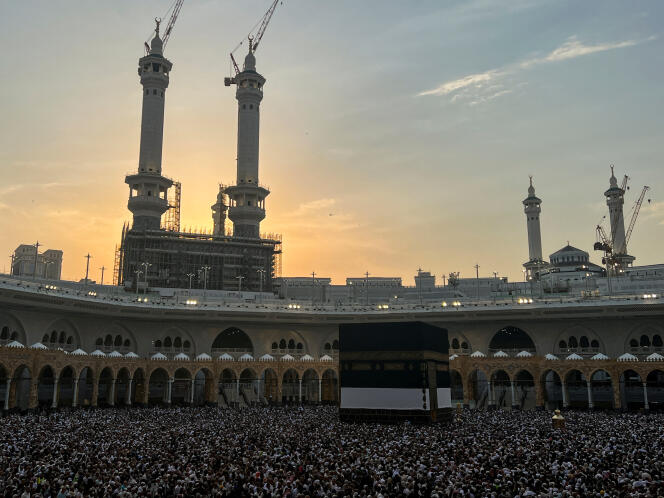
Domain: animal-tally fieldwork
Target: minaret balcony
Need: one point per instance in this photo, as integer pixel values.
(246, 214)
(151, 203)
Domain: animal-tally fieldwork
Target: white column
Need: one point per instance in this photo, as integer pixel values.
(191, 394)
(645, 396)
(300, 395)
(320, 390)
(128, 398)
(9, 385)
(169, 390)
(75, 397)
(55, 393)
(590, 394)
(111, 393)
(564, 390)
(513, 395)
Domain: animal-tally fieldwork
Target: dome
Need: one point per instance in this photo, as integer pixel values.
(454, 357)
(156, 45)
(524, 354)
(655, 357)
(627, 357)
(287, 357)
(574, 356)
(38, 345)
(500, 354)
(79, 352)
(98, 353)
(203, 357)
(307, 357)
(550, 356)
(478, 354)
(326, 357)
(250, 62)
(158, 356)
(266, 357)
(114, 354)
(15, 344)
(181, 357)
(132, 355)
(226, 357)
(246, 357)
(600, 356)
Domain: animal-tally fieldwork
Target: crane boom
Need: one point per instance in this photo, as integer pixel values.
(264, 22)
(171, 21)
(637, 208)
(624, 182)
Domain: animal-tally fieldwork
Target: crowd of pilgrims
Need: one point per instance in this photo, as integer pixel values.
(288, 452)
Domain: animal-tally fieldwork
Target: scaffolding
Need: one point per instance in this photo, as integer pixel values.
(172, 218)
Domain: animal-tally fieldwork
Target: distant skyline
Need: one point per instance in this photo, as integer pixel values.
(394, 135)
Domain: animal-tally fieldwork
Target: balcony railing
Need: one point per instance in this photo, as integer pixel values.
(512, 351)
(579, 351)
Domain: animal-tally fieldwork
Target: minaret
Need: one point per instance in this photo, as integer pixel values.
(219, 213)
(247, 197)
(148, 188)
(532, 209)
(615, 198)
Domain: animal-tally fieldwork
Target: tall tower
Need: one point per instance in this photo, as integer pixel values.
(532, 209)
(247, 197)
(615, 199)
(219, 213)
(148, 189)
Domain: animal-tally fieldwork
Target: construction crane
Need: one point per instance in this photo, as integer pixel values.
(169, 27)
(255, 36)
(637, 208)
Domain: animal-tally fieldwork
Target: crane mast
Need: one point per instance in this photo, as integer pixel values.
(637, 208)
(169, 27)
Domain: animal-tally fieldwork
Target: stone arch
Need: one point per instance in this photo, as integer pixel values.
(66, 377)
(326, 346)
(181, 388)
(524, 390)
(642, 338)
(479, 394)
(631, 389)
(204, 387)
(330, 387)
(114, 337)
(11, 329)
(232, 340)
(158, 386)
(21, 387)
(45, 386)
(270, 384)
(290, 386)
(86, 387)
(106, 387)
(601, 389)
(310, 386)
(655, 388)
(139, 387)
(579, 339)
(511, 340)
(288, 341)
(229, 387)
(576, 388)
(456, 387)
(174, 340)
(122, 387)
(249, 386)
(552, 389)
(459, 343)
(62, 334)
(501, 384)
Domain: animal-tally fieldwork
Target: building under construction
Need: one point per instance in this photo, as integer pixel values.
(158, 253)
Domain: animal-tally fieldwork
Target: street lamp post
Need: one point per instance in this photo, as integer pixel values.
(102, 274)
(205, 270)
(239, 283)
(313, 288)
(261, 272)
(138, 277)
(190, 275)
(34, 272)
(366, 287)
(477, 276)
(87, 268)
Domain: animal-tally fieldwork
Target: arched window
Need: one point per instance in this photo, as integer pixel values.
(127, 343)
(54, 336)
(335, 345)
(657, 341)
(291, 344)
(157, 344)
(584, 342)
(594, 343)
(300, 347)
(275, 346)
(99, 342)
(562, 345)
(108, 341)
(167, 342)
(5, 333)
(633, 343)
(186, 345)
(14, 336)
(645, 341)
(282, 344)
(572, 342)
(69, 339)
(63, 337)
(177, 343)
(118, 340)
(455, 343)
(44, 339)
(327, 347)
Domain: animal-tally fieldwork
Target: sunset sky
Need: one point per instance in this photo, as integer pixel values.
(394, 134)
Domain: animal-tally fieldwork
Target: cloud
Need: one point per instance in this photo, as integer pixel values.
(485, 86)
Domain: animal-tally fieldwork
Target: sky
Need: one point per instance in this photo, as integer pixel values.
(394, 135)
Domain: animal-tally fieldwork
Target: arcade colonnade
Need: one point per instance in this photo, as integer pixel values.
(44, 378)
(542, 383)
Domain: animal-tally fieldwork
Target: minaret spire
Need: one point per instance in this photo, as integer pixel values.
(148, 189)
(532, 209)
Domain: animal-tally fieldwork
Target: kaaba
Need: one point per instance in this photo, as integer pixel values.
(394, 372)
